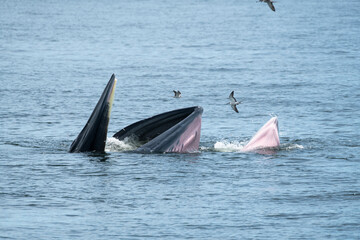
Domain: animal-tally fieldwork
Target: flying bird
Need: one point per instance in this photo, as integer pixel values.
(270, 3)
(177, 94)
(233, 102)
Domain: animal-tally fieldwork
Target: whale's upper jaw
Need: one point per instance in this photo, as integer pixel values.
(92, 137)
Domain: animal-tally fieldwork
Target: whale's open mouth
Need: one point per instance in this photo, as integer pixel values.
(174, 131)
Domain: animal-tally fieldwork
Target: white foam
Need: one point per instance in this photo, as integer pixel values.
(226, 146)
(237, 146)
(294, 146)
(115, 145)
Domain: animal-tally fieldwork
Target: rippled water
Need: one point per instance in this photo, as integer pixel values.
(300, 63)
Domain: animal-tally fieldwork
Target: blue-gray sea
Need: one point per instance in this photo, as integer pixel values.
(300, 63)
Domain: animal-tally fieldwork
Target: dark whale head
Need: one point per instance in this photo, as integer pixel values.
(92, 137)
(174, 131)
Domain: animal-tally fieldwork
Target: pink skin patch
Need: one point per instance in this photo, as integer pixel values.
(188, 141)
(266, 137)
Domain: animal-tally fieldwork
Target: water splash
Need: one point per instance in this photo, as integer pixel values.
(237, 146)
(227, 146)
(292, 146)
(115, 145)
(130, 144)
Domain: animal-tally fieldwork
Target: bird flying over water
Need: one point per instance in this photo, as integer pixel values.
(270, 3)
(177, 94)
(233, 102)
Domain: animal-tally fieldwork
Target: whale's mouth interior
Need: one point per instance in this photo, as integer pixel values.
(148, 129)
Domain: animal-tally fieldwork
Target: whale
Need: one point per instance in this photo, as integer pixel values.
(267, 137)
(175, 131)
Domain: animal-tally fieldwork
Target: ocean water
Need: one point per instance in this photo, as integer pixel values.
(300, 63)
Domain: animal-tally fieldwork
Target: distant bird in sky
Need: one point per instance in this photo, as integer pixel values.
(233, 101)
(270, 3)
(177, 94)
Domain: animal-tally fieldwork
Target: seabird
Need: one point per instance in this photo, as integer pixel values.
(177, 94)
(233, 101)
(270, 3)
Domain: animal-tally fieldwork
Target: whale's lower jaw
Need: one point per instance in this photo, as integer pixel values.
(176, 131)
(189, 140)
(182, 140)
(266, 138)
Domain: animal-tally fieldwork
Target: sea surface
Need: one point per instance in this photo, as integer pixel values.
(300, 63)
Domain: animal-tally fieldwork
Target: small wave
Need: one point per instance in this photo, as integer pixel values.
(115, 145)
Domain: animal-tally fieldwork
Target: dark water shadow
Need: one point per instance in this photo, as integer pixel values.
(98, 156)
